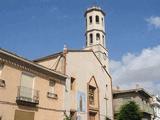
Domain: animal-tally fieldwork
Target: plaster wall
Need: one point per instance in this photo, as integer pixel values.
(84, 65)
(46, 107)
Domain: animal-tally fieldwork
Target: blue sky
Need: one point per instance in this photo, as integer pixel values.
(36, 28)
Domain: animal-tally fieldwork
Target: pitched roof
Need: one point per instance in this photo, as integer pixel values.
(58, 54)
(48, 57)
(138, 90)
(71, 50)
(4, 54)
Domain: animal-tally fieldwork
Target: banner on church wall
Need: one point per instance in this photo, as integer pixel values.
(81, 98)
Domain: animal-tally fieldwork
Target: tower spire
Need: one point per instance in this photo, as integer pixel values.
(95, 33)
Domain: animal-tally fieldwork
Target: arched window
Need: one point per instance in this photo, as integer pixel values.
(86, 22)
(103, 39)
(102, 21)
(91, 38)
(97, 36)
(97, 19)
(90, 19)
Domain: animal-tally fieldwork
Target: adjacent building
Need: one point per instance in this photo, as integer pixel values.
(156, 107)
(140, 96)
(29, 91)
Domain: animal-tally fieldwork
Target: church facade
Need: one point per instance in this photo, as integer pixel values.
(88, 92)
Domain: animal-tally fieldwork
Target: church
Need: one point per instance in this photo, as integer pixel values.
(89, 88)
(71, 83)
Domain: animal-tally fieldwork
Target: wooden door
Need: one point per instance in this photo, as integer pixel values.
(92, 116)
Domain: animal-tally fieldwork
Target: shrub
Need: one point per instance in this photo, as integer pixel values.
(129, 111)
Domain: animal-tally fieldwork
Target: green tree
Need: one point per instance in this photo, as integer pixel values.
(129, 111)
(66, 117)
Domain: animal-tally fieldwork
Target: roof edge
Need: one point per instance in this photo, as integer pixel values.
(132, 90)
(15, 56)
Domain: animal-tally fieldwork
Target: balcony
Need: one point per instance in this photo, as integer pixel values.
(146, 108)
(27, 96)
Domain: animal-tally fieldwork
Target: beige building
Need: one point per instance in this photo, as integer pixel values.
(140, 96)
(89, 91)
(29, 91)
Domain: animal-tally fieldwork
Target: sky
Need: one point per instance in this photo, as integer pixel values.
(36, 28)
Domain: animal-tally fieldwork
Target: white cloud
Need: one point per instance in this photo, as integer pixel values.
(154, 21)
(142, 69)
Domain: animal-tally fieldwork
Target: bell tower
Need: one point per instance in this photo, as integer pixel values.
(95, 26)
(95, 33)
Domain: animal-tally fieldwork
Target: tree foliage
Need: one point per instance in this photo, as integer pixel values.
(66, 117)
(129, 111)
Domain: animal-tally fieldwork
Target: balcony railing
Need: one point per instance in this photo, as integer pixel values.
(27, 96)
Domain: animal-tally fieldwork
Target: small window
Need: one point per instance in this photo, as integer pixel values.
(2, 83)
(86, 22)
(90, 19)
(51, 93)
(102, 21)
(97, 19)
(52, 86)
(91, 95)
(72, 83)
(97, 36)
(91, 38)
(103, 39)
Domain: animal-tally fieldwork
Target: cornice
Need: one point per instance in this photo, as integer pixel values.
(95, 30)
(94, 9)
